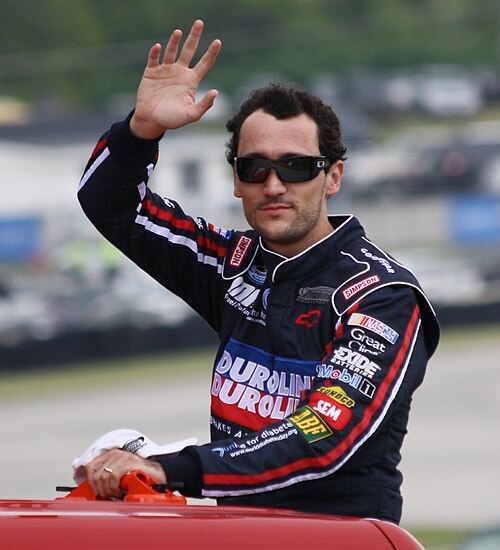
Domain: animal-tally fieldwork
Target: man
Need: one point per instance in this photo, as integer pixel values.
(323, 336)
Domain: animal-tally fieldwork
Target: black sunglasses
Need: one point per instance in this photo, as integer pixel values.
(289, 169)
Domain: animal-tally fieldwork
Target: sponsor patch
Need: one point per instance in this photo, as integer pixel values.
(310, 424)
(382, 261)
(338, 394)
(333, 413)
(219, 230)
(257, 274)
(315, 295)
(354, 380)
(365, 344)
(254, 388)
(359, 286)
(240, 251)
(357, 362)
(374, 325)
(309, 319)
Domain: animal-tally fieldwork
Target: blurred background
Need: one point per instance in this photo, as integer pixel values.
(415, 84)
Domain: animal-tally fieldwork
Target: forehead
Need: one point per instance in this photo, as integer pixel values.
(267, 136)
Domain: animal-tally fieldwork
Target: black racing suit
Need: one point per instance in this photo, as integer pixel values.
(319, 354)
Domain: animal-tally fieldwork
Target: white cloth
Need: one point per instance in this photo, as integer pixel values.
(127, 440)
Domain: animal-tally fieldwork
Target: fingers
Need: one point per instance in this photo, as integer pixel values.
(191, 45)
(154, 56)
(189, 50)
(206, 102)
(106, 482)
(208, 59)
(172, 47)
(105, 472)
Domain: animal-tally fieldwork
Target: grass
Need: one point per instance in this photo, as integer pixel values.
(50, 379)
(438, 539)
(56, 379)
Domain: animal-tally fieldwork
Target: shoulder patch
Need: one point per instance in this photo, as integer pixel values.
(240, 255)
(369, 269)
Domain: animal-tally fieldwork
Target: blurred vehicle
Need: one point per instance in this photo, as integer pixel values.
(150, 517)
(134, 299)
(25, 314)
(447, 276)
(429, 160)
(448, 92)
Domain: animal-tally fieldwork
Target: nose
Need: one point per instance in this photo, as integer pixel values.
(273, 186)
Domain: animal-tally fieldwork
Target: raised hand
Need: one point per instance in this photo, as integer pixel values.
(166, 97)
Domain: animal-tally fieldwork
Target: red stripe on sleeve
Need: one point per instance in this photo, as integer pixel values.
(339, 450)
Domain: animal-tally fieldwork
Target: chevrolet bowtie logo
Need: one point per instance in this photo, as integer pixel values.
(309, 319)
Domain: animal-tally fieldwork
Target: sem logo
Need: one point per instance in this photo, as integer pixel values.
(309, 319)
(240, 251)
(360, 285)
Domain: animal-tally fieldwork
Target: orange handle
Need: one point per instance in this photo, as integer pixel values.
(138, 488)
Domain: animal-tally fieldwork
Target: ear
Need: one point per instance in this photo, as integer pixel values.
(236, 185)
(334, 178)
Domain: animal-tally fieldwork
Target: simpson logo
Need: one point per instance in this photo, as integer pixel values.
(240, 251)
(360, 285)
(374, 325)
(310, 424)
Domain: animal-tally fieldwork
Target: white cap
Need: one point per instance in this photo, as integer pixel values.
(127, 440)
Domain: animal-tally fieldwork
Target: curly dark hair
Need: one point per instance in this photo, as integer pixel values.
(283, 101)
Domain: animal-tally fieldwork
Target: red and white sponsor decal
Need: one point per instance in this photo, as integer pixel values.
(253, 388)
(334, 413)
(374, 325)
(240, 251)
(360, 285)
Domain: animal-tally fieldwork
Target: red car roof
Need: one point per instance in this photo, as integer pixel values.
(26, 525)
(154, 518)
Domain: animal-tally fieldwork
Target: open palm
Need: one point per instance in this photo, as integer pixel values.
(166, 97)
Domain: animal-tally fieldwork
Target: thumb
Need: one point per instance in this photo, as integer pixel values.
(206, 102)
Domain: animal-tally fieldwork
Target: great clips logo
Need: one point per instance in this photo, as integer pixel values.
(240, 251)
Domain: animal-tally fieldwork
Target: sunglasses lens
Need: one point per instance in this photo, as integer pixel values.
(259, 175)
(295, 169)
(289, 170)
